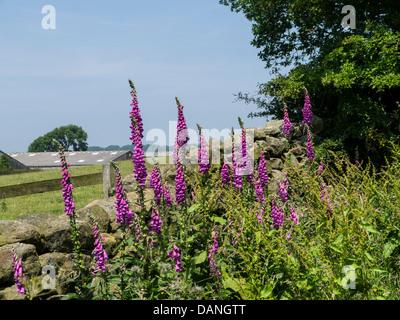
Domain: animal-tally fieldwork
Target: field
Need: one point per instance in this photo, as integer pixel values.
(12, 208)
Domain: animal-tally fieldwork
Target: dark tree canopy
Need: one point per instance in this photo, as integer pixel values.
(352, 75)
(69, 136)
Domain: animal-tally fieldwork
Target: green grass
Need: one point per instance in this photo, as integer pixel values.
(12, 208)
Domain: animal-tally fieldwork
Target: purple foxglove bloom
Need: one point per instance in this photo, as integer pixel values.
(283, 193)
(262, 170)
(156, 222)
(237, 177)
(100, 253)
(287, 125)
(260, 216)
(137, 131)
(155, 183)
(175, 255)
(307, 113)
(211, 254)
(124, 213)
(259, 190)
(310, 150)
(180, 185)
(139, 163)
(293, 216)
(277, 215)
(226, 178)
(204, 161)
(69, 205)
(18, 273)
(167, 196)
(182, 130)
(244, 158)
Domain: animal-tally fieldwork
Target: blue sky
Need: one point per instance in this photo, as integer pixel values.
(197, 50)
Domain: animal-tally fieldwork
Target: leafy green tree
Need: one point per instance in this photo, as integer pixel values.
(69, 136)
(4, 163)
(352, 75)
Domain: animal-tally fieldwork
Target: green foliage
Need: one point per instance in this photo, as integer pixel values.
(68, 136)
(4, 163)
(352, 76)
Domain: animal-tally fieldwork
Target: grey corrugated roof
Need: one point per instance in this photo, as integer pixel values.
(74, 158)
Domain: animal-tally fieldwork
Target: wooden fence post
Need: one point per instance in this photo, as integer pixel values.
(109, 183)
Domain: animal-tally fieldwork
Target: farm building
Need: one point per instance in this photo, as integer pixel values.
(51, 160)
(15, 164)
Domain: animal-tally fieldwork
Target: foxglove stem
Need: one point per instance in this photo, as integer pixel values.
(156, 222)
(310, 150)
(18, 273)
(307, 113)
(182, 133)
(204, 161)
(175, 255)
(277, 215)
(287, 125)
(137, 131)
(262, 169)
(225, 176)
(155, 183)
(123, 212)
(167, 195)
(69, 208)
(180, 185)
(100, 254)
(211, 257)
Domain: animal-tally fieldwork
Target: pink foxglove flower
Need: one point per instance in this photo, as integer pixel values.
(225, 176)
(180, 184)
(211, 257)
(156, 222)
(287, 125)
(18, 273)
(262, 169)
(155, 183)
(100, 253)
(175, 255)
(204, 161)
(182, 129)
(310, 150)
(137, 131)
(124, 213)
(167, 196)
(277, 215)
(307, 113)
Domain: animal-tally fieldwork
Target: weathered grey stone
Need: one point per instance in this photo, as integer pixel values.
(275, 123)
(12, 231)
(56, 231)
(276, 146)
(11, 293)
(275, 175)
(290, 158)
(275, 163)
(96, 210)
(29, 257)
(129, 183)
